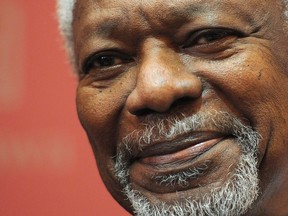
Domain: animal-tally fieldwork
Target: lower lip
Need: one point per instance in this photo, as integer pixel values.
(188, 153)
(216, 158)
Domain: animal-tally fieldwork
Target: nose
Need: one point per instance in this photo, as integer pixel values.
(162, 79)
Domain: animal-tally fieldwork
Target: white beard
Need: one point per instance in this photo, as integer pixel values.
(232, 199)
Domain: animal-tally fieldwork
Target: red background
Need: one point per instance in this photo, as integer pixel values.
(46, 163)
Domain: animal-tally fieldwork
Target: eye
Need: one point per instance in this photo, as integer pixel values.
(104, 61)
(212, 38)
(209, 37)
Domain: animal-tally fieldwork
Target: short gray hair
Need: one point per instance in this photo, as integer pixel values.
(65, 18)
(65, 10)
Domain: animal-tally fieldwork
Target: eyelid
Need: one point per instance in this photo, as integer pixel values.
(88, 61)
(194, 36)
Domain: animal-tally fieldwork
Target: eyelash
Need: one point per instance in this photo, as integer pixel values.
(110, 56)
(192, 42)
(219, 33)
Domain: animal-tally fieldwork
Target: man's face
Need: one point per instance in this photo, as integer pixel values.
(185, 103)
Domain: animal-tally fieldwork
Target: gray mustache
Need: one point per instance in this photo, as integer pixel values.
(157, 130)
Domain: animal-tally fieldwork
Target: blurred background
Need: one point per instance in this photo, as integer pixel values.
(46, 163)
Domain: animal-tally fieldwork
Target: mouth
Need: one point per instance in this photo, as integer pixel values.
(181, 149)
(211, 154)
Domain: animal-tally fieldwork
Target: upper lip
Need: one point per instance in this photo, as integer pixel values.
(178, 143)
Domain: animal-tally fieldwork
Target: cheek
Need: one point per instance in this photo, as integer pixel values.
(99, 116)
(254, 85)
(98, 113)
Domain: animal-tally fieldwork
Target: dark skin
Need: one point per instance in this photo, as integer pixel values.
(138, 59)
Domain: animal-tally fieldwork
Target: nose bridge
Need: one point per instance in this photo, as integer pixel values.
(159, 68)
(161, 79)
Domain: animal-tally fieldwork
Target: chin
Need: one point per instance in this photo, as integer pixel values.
(216, 175)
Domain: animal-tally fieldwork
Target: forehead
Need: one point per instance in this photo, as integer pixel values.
(166, 9)
(104, 15)
(129, 21)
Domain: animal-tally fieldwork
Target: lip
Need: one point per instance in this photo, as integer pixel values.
(213, 156)
(188, 146)
(188, 153)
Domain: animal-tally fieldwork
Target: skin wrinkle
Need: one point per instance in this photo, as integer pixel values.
(65, 21)
(110, 22)
(187, 74)
(183, 177)
(193, 207)
(171, 126)
(92, 35)
(249, 146)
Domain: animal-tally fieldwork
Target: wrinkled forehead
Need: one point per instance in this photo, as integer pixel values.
(157, 12)
(156, 6)
(131, 21)
(100, 15)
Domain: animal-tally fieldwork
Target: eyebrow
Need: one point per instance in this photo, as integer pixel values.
(105, 20)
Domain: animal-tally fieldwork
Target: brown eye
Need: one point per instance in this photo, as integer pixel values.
(104, 61)
(211, 38)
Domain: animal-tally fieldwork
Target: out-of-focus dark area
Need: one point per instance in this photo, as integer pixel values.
(46, 164)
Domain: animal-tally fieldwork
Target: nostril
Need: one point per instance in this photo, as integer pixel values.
(174, 106)
(181, 101)
(142, 112)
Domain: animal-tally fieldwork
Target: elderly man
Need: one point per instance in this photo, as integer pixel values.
(185, 102)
